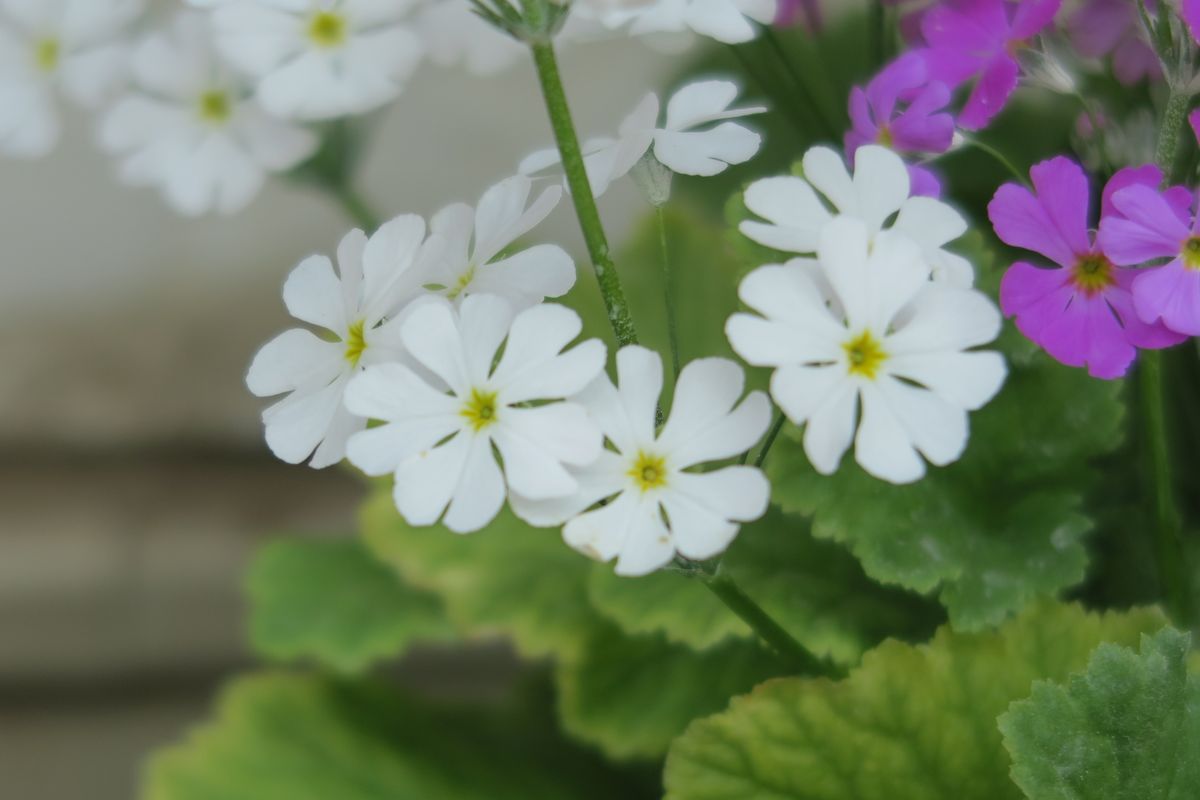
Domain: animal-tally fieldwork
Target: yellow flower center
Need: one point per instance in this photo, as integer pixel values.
(327, 29)
(215, 106)
(1191, 253)
(46, 54)
(461, 284)
(480, 410)
(884, 137)
(356, 343)
(1094, 273)
(864, 355)
(649, 471)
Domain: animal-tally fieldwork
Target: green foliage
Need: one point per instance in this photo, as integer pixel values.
(633, 695)
(629, 695)
(1126, 729)
(329, 600)
(912, 723)
(994, 530)
(307, 738)
(814, 589)
(509, 579)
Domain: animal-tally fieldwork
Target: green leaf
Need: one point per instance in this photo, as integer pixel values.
(998, 528)
(632, 696)
(329, 600)
(1127, 729)
(509, 579)
(814, 589)
(305, 738)
(911, 723)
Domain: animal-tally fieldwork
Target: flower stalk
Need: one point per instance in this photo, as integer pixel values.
(567, 140)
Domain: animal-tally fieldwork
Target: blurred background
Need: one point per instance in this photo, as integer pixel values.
(134, 484)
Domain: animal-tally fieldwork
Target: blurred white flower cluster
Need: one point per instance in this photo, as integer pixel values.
(205, 106)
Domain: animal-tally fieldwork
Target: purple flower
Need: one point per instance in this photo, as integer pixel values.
(1194, 121)
(1111, 27)
(1146, 225)
(1082, 311)
(978, 39)
(1191, 15)
(790, 12)
(901, 110)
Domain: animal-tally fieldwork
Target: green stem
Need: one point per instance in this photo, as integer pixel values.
(770, 631)
(581, 193)
(1172, 564)
(355, 207)
(802, 87)
(668, 292)
(1172, 557)
(789, 109)
(876, 29)
(999, 157)
(772, 434)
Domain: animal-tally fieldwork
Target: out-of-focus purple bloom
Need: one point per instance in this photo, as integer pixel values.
(1101, 28)
(791, 12)
(978, 39)
(1194, 121)
(1191, 15)
(1147, 225)
(911, 14)
(901, 110)
(1082, 312)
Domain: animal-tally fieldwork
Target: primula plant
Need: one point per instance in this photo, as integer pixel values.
(868, 467)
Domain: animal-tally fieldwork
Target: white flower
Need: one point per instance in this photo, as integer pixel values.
(657, 505)
(879, 188)
(188, 128)
(363, 309)
(453, 34)
(46, 44)
(474, 238)
(318, 59)
(728, 21)
(678, 145)
(439, 444)
(835, 332)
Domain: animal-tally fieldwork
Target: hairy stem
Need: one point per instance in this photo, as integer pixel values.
(668, 291)
(1164, 506)
(999, 158)
(765, 626)
(772, 434)
(581, 193)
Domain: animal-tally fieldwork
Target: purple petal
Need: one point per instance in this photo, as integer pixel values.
(1135, 60)
(1170, 293)
(863, 127)
(917, 130)
(991, 92)
(924, 182)
(1025, 287)
(1191, 15)
(1054, 224)
(1031, 16)
(1087, 333)
(1142, 227)
(1097, 27)
(1145, 175)
(906, 72)
(1150, 336)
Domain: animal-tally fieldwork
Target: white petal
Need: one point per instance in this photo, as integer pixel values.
(602, 533)
(480, 492)
(936, 428)
(648, 545)
(532, 367)
(388, 261)
(701, 102)
(883, 446)
(298, 423)
(706, 152)
(294, 359)
(394, 392)
(701, 507)
(528, 277)
(930, 222)
(843, 254)
(945, 318)
(483, 323)
(967, 380)
(535, 443)
(602, 479)
(426, 482)
(705, 392)
(350, 267)
(799, 328)
(333, 447)
(898, 273)
(721, 20)
(825, 170)
(792, 207)
(881, 182)
(313, 293)
(830, 426)
(801, 390)
(502, 218)
(274, 144)
(431, 335)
